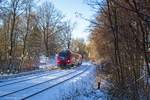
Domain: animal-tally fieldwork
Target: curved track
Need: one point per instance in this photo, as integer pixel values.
(56, 84)
(26, 78)
(39, 84)
(21, 77)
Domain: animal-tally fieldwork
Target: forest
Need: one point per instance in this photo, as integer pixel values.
(120, 39)
(120, 33)
(28, 30)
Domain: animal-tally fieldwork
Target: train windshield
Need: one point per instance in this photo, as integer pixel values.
(64, 53)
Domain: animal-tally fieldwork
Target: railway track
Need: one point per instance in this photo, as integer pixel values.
(27, 78)
(25, 93)
(20, 87)
(21, 77)
(54, 85)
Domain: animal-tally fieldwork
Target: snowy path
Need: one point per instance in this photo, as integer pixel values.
(30, 86)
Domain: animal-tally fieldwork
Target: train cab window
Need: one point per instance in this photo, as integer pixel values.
(65, 53)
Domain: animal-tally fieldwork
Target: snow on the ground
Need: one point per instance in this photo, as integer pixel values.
(93, 95)
(29, 77)
(78, 88)
(45, 64)
(9, 76)
(21, 85)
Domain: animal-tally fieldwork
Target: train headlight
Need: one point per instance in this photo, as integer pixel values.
(68, 60)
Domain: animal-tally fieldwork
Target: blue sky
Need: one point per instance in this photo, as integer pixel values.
(68, 8)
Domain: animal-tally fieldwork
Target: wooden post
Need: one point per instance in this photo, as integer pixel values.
(99, 85)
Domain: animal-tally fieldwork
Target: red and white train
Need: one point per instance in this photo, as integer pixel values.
(67, 59)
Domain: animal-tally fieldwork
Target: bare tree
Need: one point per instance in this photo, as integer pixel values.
(27, 32)
(49, 23)
(121, 33)
(26, 27)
